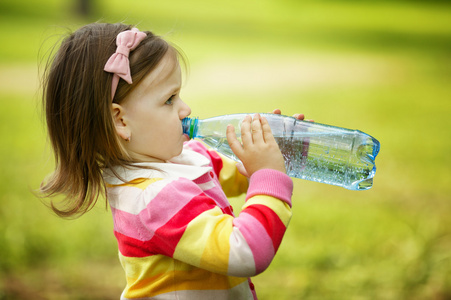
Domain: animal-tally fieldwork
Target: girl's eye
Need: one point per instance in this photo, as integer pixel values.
(170, 100)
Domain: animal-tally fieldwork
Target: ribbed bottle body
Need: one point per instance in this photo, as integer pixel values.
(312, 151)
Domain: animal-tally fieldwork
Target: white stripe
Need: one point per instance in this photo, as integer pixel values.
(241, 259)
(241, 292)
(189, 164)
(207, 185)
(133, 199)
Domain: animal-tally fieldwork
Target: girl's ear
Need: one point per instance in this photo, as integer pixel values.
(122, 129)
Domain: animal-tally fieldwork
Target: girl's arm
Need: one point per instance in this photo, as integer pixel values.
(232, 181)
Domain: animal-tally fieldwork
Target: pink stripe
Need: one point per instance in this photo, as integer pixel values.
(216, 161)
(167, 236)
(271, 183)
(270, 221)
(258, 240)
(130, 225)
(169, 201)
(197, 146)
(218, 194)
(207, 177)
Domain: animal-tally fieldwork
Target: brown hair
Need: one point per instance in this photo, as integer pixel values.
(77, 105)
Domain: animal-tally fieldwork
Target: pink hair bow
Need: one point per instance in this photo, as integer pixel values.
(118, 63)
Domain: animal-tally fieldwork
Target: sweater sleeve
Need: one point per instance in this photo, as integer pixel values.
(233, 182)
(179, 220)
(265, 216)
(243, 246)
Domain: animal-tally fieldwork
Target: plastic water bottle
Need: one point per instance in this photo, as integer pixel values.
(312, 151)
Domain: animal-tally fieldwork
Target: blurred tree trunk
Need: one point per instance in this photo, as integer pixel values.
(84, 7)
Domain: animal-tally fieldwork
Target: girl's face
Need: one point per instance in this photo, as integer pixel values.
(151, 114)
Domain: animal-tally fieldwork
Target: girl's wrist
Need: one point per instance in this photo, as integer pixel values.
(271, 183)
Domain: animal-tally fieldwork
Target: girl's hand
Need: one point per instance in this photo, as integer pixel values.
(259, 149)
(297, 116)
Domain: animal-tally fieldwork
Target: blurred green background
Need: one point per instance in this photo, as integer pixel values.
(383, 67)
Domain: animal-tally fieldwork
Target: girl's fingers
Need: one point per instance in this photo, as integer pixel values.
(246, 136)
(258, 149)
(234, 144)
(257, 135)
(299, 116)
(267, 133)
(242, 169)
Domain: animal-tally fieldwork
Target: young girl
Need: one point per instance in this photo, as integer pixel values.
(113, 111)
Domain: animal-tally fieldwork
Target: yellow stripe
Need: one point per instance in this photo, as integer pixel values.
(217, 250)
(155, 275)
(139, 267)
(141, 183)
(232, 182)
(281, 208)
(208, 234)
(142, 271)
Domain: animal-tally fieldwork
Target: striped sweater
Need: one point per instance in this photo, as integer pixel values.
(177, 235)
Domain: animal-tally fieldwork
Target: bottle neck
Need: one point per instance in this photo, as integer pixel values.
(189, 126)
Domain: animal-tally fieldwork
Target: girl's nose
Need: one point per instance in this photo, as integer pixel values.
(185, 110)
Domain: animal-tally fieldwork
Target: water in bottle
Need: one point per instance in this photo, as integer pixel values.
(312, 151)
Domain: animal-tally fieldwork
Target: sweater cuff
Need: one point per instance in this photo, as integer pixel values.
(272, 183)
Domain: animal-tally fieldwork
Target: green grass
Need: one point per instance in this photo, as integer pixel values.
(381, 67)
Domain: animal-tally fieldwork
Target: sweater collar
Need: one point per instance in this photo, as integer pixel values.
(189, 164)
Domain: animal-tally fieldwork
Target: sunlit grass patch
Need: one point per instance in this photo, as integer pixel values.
(381, 67)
